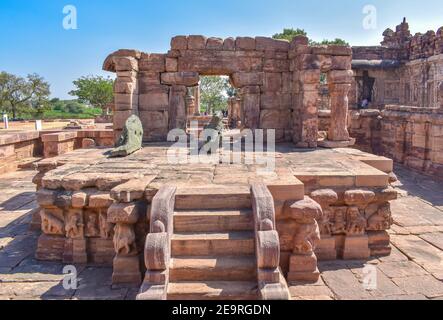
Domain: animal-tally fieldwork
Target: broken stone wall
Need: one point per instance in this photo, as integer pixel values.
(277, 82)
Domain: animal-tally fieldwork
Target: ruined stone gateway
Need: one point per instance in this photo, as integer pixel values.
(227, 231)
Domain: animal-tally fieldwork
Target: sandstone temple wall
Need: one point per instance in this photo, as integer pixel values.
(277, 81)
(405, 69)
(411, 136)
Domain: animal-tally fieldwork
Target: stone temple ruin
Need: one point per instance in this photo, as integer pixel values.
(225, 231)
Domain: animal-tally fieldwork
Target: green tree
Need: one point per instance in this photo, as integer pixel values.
(336, 41)
(214, 93)
(96, 91)
(19, 95)
(289, 34)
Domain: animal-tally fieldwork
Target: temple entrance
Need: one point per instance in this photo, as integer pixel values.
(367, 87)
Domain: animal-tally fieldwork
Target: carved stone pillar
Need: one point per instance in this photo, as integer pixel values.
(126, 264)
(303, 261)
(440, 95)
(339, 83)
(326, 247)
(125, 90)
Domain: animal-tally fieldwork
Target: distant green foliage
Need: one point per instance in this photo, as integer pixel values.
(215, 91)
(289, 34)
(96, 91)
(336, 41)
(65, 109)
(20, 95)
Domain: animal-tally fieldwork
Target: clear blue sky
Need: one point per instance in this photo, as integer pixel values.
(34, 40)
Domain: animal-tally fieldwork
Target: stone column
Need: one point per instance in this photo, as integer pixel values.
(339, 83)
(177, 107)
(440, 95)
(125, 91)
(251, 106)
(190, 104)
(126, 264)
(306, 80)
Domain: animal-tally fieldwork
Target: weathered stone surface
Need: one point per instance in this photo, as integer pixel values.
(196, 42)
(264, 43)
(188, 79)
(214, 44)
(152, 62)
(123, 213)
(179, 43)
(242, 79)
(245, 43)
(131, 139)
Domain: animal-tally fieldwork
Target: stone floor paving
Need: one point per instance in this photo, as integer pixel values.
(414, 270)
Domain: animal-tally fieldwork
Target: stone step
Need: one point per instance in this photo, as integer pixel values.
(241, 268)
(222, 197)
(213, 290)
(213, 221)
(211, 243)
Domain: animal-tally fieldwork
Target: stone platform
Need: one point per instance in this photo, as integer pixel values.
(327, 205)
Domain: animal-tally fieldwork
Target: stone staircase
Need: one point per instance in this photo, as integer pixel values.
(212, 249)
(212, 246)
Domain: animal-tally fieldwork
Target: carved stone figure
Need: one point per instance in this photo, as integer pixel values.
(92, 229)
(381, 220)
(106, 228)
(51, 224)
(325, 224)
(74, 226)
(356, 223)
(305, 238)
(339, 224)
(131, 138)
(124, 240)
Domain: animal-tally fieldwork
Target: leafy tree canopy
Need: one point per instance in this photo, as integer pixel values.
(290, 33)
(215, 91)
(21, 95)
(96, 91)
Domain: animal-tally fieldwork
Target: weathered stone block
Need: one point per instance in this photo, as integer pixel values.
(125, 63)
(340, 76)
(123, 213)
(171, 64)
(245, 43)
(275, 65)
(264, 43)
(214, 44)
(152, 62)
(188, 79)
(179, 43)
(148, 79)
(196, 42)
(242, 79)
(272, 82)
(229, 44)
(154, 119)
(154, 102)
